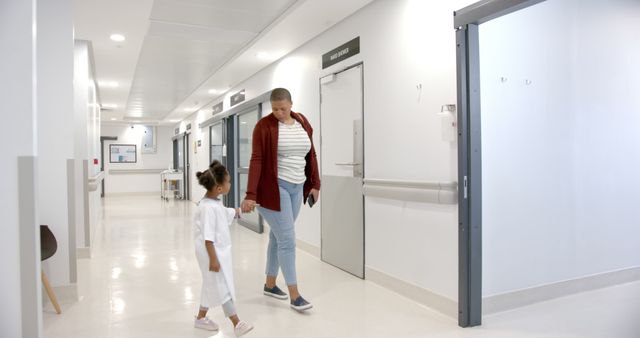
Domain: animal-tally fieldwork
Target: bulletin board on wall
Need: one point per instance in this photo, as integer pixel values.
(123, 153)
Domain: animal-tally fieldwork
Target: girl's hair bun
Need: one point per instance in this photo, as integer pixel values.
(213, 176)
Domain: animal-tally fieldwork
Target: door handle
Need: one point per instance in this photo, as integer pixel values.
(353, 164)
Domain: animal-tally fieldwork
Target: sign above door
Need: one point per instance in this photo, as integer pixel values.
(341, 53)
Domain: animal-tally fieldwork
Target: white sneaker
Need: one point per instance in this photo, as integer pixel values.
(206, 324)
(242, 328)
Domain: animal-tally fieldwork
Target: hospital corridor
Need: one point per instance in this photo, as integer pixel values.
(320, 168)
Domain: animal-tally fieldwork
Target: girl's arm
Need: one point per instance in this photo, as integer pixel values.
(208, 220)
(214, 264)
(233, 213)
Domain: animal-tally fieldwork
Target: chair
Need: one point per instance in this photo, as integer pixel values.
(48, 247)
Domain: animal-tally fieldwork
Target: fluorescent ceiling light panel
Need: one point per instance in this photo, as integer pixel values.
(117, 37)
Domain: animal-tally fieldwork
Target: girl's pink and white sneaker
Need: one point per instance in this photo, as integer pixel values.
(206, 324)
(242, 328)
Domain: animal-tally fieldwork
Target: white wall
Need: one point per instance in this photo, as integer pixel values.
(607, 119)
(19, 109)
(560, 154)
(403, 44)
(198, 156)
(137, 183)
(86, 142)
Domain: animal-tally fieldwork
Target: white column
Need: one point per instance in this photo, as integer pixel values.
(56, 134)
(21, 310)
(81, 121)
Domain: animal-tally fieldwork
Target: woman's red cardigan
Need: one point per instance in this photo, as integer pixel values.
(263, 168)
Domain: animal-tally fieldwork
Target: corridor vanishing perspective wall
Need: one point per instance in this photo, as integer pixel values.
(409, 73)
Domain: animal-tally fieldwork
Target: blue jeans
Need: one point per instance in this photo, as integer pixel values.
(282, 237)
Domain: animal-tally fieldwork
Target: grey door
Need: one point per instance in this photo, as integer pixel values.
(216, 144)
(342, 168)
(217, 147)
(187, 167)
(246, 122)
(181, 164)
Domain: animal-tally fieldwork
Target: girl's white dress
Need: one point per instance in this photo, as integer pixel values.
(212, 221)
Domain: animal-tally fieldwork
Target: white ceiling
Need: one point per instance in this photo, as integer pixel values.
(96, 20)
(177, 50)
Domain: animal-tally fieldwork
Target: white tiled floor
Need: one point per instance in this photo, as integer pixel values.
(143, 281)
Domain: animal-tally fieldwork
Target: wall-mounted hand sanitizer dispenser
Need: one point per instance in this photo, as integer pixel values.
(448, 121)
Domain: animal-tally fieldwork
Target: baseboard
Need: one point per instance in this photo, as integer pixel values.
(127, 194)
(519, 298)
(83, 252)
(425, 297)
(308, 248)
(65, 294)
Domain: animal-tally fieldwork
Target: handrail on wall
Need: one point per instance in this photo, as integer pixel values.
(94, 181)
(134, 171)
(98, 177)
(414, 191)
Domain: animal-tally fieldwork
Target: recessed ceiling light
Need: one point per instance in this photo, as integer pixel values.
(174, 121)
(109, 105)
(108, 84)
(117, 37)
(215, 91)
(113, 119)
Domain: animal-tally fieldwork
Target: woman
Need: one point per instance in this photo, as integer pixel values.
(283, 172)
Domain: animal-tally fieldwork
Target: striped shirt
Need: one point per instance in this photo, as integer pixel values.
(293, 145)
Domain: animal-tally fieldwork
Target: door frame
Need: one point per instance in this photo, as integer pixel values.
(364, 220)
(185, 161)
(187, 167)
(102, 140)
(466, 22)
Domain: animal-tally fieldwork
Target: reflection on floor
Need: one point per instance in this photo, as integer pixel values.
(143, 281)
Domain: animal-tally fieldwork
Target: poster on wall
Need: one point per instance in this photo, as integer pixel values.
(122, 153)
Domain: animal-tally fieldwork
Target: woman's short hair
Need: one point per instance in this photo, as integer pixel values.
(280, 94)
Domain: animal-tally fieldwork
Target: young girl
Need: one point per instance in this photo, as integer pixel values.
(213, 249)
